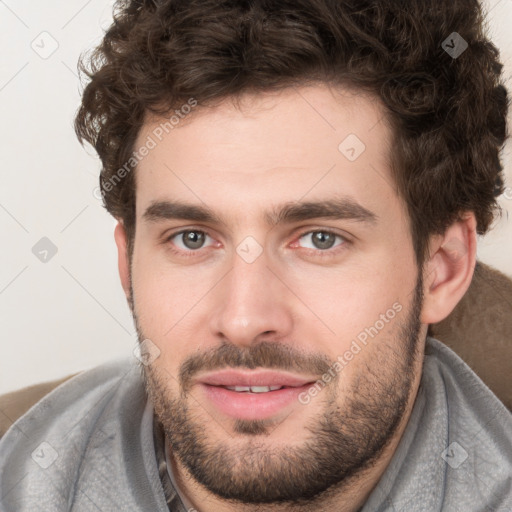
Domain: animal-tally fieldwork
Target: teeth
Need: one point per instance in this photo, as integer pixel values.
(260, 389)
(253, 389)
(239, 388)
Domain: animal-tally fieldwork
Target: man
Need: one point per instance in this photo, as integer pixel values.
(299, 185)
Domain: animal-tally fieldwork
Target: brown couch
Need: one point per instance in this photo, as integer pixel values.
(479, 330)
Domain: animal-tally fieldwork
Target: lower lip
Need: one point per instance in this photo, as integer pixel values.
(252, 406)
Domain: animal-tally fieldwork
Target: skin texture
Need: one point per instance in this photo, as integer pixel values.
(297, 303)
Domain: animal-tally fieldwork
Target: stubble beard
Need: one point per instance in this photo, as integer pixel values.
(343, 441)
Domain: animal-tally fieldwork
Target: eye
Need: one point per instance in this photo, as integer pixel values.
(191, 241)
(188, 240)
(322, 240)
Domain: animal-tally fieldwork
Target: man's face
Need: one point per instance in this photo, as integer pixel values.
(326, 306)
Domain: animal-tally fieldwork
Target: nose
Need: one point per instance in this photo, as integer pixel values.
(252, 303)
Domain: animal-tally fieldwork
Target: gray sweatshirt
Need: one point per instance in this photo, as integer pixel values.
(89, 446)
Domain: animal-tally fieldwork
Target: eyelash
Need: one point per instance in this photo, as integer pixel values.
(327, 253)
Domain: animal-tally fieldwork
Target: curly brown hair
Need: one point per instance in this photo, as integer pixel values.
(448, 112)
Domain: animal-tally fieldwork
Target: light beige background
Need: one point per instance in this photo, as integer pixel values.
(70, 313)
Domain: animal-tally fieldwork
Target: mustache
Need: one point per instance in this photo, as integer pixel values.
(265, 354)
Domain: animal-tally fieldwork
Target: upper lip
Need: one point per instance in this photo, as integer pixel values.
(230, 377)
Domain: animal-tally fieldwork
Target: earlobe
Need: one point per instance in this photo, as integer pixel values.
(448, 273)
(122, 258)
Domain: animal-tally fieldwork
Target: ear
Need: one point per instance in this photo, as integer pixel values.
(123, 261)
(449, 270)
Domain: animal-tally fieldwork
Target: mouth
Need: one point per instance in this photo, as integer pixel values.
(253, 395)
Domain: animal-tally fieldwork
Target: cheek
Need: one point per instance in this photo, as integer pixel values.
(167, 304)
(370, 295)
(162, 294)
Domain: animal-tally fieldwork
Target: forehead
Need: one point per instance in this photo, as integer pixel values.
(276, 147)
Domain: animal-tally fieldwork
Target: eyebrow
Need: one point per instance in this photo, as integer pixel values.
(336, 208)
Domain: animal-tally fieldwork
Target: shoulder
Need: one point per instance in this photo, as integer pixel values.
(50, 401)
(456, 450)
(81, 418)
(16, 403)
(463, 386)
(475, 430)
(44, 410)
